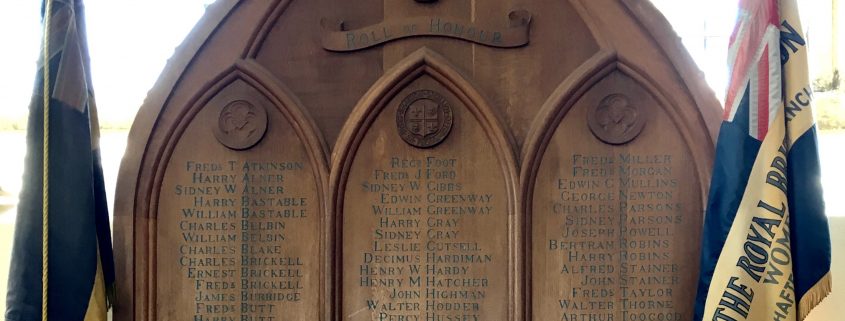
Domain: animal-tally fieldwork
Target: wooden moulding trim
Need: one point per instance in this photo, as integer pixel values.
(692, 79)
(290, 107)
(129, 225)
(426, 62)
(590, 21)
(701, 160)
(269, 20)
(542, 130)
(661, 31)
(561, 101)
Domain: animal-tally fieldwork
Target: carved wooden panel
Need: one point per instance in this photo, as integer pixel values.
(240, 217)
(424, 201)
(227, 207)
(613, 199)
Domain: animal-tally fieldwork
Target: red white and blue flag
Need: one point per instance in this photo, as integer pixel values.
(754, 57)
(766, 243)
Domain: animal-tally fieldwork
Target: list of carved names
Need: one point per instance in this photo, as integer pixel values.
(235, 247)
(427, 259)
(615, 217)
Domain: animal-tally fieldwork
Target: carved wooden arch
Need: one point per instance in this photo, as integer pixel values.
(655, 28)
(567, 94)
(291, 109)
(589, 20)
(255, 75)
(426, 62)
(264, 27)
(700, 157)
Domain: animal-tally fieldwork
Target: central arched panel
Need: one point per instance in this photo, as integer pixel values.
(424, 181)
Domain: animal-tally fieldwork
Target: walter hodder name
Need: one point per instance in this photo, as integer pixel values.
(234, 249)
(421, 210)
(615, 217)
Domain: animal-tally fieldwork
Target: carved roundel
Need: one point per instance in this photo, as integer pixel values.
(615, 120)
(241, 125)
(424, 119)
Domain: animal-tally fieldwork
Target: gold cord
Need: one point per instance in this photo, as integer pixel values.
(45, 201)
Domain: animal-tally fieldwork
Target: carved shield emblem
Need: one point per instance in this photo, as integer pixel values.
(424, 119)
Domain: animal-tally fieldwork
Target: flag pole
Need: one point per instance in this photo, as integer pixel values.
(45, 201)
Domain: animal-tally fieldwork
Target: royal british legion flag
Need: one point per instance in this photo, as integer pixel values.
(766, 243)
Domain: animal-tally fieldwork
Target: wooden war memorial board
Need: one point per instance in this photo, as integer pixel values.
(418, 160)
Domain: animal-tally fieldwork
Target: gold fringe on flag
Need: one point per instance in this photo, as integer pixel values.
(814, 296)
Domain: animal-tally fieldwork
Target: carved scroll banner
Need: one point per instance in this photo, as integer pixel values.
(514, 34)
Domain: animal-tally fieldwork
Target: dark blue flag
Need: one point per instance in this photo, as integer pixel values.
(66, 168)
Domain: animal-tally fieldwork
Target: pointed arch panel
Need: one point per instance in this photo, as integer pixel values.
(613, 200)
(433, 176)
(239, 206)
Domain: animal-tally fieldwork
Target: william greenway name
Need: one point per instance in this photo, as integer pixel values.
(424, 256)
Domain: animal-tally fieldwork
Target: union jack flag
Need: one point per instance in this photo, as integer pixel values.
(755, 64)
